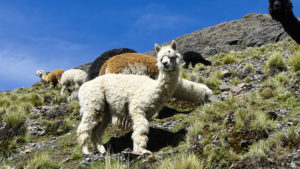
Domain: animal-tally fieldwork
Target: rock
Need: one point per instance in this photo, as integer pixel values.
(225, 87)
(273, 115)
(61, 110)
(200, 137)
(242, 74)
(213, 98)
(36, 130)
(65, 160)
(27, 151)
(236, 89)
(226, 74)
(252, 30)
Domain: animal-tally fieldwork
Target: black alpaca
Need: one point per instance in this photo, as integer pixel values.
(94, 69)
(194, 58)
(281, 10)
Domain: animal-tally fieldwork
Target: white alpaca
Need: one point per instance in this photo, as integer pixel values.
(72, 77)
(135, 96)
(192, 91)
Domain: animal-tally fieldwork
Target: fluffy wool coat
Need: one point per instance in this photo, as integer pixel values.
(134, 96)
(97, 63)
(72, 77)
(135, 63)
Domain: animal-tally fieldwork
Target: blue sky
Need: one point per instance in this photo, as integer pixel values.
(51, 34)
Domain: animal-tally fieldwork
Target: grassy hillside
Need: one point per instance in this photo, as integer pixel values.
(253, 122)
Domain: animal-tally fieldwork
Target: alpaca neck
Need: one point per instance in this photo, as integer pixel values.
(44, 76)
(291, 25)
(168, 81)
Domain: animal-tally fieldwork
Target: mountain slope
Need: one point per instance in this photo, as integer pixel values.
(254, 121)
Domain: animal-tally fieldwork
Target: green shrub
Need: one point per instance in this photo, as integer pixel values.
(249, 67)
(294, 61)
(76, 153)
(276, 61)
(181, 161)
(42, 161)
(214, 80)
(228, 59)
(15, 117)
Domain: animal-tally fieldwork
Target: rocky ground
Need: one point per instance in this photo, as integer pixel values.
(252, 122)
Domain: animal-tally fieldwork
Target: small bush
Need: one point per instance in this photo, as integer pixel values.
(15, 117)
(294, 61)
(228, 59)
(276, 61)
(76, 154)
(214, 80)
(249, 67)
(182, 161)
(268, 93)
(58, 127)
(42, 161)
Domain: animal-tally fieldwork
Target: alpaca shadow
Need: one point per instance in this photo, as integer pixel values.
(168, 112)
(158, 138)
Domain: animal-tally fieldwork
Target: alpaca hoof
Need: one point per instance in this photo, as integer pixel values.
(101, 149)
(85, 150)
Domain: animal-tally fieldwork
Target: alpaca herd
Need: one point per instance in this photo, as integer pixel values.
(130, 86)
(133, 87)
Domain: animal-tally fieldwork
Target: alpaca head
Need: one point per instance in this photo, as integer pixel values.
(167, 58)
(278, 8)
(40, 73)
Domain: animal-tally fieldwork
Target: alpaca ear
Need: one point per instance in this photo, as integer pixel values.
(173, 45)
(157, 47)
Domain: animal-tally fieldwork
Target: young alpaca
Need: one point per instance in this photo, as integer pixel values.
(97, 63)
(135, 96)
(72, 77)
(194, 58)
(281, 10)
(53, 78)
(136, 63)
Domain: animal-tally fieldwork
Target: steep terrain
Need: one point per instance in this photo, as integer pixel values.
(253, 121)
(252, 30)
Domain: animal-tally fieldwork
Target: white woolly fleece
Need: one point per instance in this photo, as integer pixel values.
(72, 77)
(133, 96)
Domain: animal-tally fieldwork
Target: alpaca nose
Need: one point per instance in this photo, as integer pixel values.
(166, 65)
(277, 5)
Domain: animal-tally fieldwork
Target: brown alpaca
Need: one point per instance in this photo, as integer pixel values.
(53, 78)
(131, 63)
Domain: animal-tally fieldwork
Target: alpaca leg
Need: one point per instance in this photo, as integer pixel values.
(88, 123)
(51, 85)
(140, 132)
(98, 131)
(63, 90)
